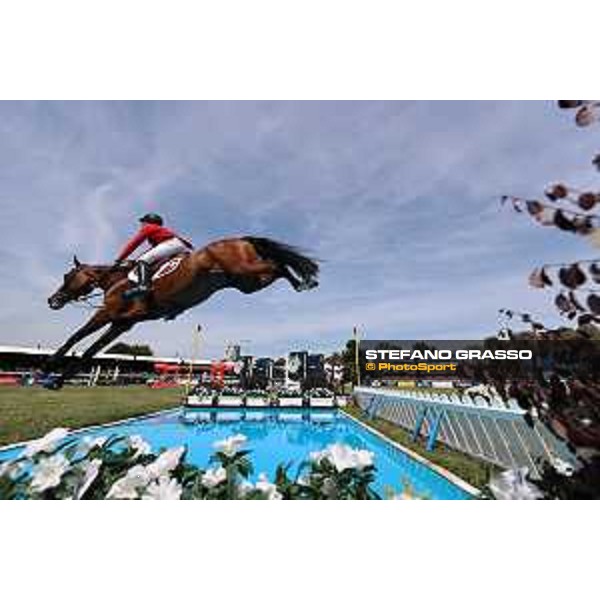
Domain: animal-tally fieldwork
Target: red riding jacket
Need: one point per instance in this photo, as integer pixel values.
(154, 234)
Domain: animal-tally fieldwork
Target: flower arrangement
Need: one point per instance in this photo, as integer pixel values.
(321, 393)
(202, 391)
(257, 393)
(285, 393)
(59, 467)
(231, 391)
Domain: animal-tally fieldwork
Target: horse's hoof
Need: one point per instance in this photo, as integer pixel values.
(52, 384)
(307, 285)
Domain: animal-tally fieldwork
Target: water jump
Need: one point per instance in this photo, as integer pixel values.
(167, 280)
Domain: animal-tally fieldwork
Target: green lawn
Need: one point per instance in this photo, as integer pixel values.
(27, 413)
(471, 470)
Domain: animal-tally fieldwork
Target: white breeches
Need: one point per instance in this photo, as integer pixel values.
(164, 250)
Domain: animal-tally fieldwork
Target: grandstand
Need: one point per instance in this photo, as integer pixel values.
(24, 365)
(18, 364)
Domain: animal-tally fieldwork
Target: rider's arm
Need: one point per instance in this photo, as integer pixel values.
(133, 243)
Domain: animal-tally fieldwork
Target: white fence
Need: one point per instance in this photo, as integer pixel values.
(492, 430)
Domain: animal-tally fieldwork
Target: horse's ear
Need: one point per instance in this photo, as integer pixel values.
(76, 261)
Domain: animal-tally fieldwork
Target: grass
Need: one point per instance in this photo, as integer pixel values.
(27, 413)
(471, 470)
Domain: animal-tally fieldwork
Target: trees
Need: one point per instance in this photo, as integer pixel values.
(131, 349)
(576, 212)
(567, 402)
(348, 357)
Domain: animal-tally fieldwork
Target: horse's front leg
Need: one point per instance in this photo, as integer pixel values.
(97, 322)
(111, 334)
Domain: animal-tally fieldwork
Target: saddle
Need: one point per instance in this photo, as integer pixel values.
(158, 269)
(141, 276)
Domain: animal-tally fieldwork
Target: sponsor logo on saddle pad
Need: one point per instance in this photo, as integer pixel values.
(169, 267)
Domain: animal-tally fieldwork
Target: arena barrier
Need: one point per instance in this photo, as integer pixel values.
(7, 378)
(492, 430)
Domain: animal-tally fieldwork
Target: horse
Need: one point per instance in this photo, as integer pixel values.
(248, 264)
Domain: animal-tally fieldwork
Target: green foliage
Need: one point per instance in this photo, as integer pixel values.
(349, 361)
(57, 467)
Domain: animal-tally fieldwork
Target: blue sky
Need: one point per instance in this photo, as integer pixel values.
(399, 199)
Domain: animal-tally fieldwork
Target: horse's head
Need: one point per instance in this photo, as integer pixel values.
(77, 282)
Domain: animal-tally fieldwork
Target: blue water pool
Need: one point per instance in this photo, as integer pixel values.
(279, 436)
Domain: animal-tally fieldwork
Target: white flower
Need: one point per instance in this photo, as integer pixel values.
(268, 488)
(46, 443)
(166, 462)
(92, 469)
(230, 445)
(9, 469)
(88, 443)
(126, 488)
(48, 472)
(213, 477)
(562, 467)
(513, 485)
(245, 487)
(165, 489)
(137, 442)
(344, 457)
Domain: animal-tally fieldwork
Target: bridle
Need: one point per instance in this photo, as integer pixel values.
(84, 301)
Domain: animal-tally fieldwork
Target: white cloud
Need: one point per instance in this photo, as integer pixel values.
(399, 199)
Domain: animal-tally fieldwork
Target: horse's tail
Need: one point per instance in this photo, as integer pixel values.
(286, 255)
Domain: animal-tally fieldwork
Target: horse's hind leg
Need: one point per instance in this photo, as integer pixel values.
(250, 262)
(287, 274)
(264, 271)
(241, 259)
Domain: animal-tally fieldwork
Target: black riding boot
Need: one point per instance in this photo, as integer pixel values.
(143, 285)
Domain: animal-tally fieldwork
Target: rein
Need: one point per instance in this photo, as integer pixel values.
(84, 301)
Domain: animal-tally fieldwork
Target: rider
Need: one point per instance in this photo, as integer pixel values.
(165, 243)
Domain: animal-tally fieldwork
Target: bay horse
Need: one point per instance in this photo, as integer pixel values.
(248, 264)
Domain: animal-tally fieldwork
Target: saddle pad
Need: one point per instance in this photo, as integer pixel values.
(167, 268)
